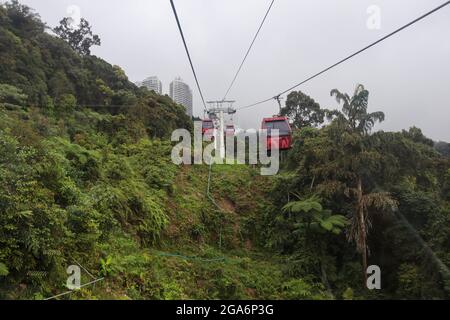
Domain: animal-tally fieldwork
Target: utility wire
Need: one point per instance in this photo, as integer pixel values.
(72, 291)
(203, 100)
(187, 52)
(350, 56)
(248, 51)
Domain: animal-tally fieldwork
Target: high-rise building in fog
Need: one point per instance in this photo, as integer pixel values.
(182, 94)
(152, 83)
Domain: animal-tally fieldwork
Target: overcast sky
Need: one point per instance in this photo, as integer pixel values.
(408, 75)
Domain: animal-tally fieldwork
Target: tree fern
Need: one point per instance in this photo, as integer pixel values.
(311, 214)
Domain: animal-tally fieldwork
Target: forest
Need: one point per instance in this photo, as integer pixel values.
(86, 178)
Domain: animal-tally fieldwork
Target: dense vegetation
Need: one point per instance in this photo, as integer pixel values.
(394, 188)
(86, 177)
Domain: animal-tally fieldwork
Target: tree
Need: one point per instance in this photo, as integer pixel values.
(66, 104)
(415, 134)
(23, 18)
(359, 161)
(308, 223)
(105, 92)
(81, 38)
(303, 110)
(340, 163)
(354, 113)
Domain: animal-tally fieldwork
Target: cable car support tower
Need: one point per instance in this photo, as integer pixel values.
(216, 112)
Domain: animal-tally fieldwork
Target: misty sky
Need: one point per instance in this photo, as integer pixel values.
(408, 75)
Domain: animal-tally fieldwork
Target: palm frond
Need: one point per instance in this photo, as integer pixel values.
(380, 201)
(340, 96)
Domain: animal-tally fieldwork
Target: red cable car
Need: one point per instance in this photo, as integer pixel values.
(229, 130)
(284, 140)
(207, 126)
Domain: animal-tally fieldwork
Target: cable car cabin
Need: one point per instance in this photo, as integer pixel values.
(284, 140)
(229, 130)
(207, 127)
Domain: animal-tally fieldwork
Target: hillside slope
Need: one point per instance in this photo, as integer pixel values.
(117, 205)
(95, 185)
(86, 178)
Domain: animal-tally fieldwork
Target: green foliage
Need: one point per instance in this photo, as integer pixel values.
(11, 95)
(30, 218)
(66, 196)
(313, 216)
(80, 37)
(3, 270)
(303, 110)
(392, 186)
(41, 70)
(354, 113)
(105, 266)
(298, 289)
(416, 135)
(348, 294)
(407, 281)
(98, 185)
(66, 103)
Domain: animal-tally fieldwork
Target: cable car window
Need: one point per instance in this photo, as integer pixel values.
(281, 125)
(208, 125)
